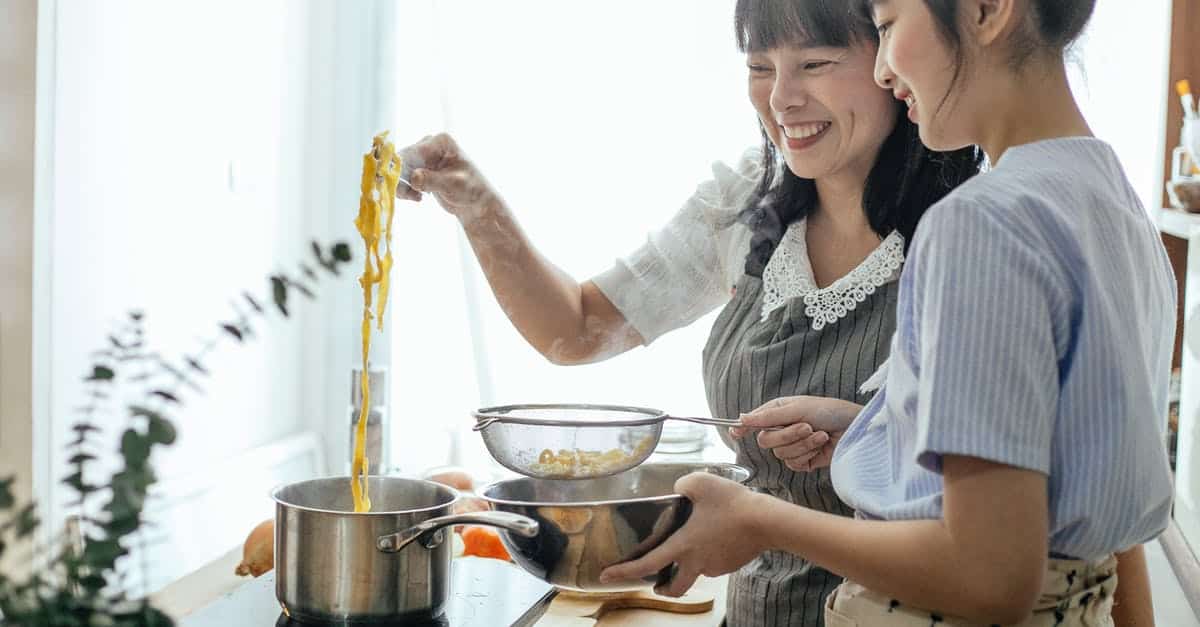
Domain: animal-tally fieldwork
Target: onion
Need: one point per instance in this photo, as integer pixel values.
(258, 554)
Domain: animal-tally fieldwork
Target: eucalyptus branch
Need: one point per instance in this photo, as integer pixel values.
(77, 588)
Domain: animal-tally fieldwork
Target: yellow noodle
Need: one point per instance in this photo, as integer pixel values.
(376, 207)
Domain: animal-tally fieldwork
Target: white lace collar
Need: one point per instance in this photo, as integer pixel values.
(789, 275)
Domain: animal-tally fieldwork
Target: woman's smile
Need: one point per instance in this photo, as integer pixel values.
(801, 136)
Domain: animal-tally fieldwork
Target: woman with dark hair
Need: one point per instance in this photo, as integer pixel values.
(800, 243)
(1012, 451)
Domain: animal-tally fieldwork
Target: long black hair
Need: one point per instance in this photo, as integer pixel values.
(907, 178)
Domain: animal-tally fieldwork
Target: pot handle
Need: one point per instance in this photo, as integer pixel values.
(516, 523)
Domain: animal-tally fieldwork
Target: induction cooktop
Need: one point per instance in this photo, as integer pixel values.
(483, 593)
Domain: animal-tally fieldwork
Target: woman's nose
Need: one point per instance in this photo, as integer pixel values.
(884, 76)
(788, 93)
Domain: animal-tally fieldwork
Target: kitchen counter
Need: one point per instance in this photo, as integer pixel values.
(215, 591)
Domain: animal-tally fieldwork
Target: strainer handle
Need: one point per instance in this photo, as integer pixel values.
(716, 422)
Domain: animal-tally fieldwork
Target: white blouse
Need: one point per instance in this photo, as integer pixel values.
(690, 266)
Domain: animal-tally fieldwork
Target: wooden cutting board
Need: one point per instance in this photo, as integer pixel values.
(575, 609)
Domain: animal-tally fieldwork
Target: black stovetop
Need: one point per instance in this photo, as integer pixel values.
(484, 593)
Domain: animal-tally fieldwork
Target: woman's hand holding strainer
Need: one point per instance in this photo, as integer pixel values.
(801, 431)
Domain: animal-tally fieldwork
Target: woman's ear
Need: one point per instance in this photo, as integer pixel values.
(992, 21)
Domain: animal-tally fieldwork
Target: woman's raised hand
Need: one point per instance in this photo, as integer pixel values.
(444, 171)
(807, 428)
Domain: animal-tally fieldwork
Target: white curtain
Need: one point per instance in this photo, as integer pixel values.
(596, 122)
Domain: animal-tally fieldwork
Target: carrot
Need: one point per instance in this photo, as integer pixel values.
(484, 542)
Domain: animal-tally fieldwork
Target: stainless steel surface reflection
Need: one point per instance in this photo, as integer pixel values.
(587, 525)
(390, 564)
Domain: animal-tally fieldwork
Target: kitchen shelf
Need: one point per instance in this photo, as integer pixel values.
(1179, 223)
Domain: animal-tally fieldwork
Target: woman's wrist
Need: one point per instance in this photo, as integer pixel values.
(759, 511)
(472, 220)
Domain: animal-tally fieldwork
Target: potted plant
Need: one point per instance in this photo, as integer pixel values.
(76, 581)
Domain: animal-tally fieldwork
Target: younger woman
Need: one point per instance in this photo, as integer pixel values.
(1013, 448)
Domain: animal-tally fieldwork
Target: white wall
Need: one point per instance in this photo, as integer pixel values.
(18, 51)
(1120, 79)
(596, 123)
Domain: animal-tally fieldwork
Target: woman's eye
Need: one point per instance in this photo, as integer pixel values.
(816, 65)
(883, 27)
(758, 69)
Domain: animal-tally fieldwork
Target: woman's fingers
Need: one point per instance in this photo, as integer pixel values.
(432, 152)
(805, 448)
(787, 435)
(776, 413)
(679, 584)
(803, 464)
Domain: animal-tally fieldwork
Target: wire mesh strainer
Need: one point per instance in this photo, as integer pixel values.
(574, 441)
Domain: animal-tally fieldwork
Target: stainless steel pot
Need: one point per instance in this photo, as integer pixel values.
(390, 564)
(584, 526)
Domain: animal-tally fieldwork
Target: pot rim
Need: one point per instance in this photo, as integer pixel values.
(482, 492)
(455, 496)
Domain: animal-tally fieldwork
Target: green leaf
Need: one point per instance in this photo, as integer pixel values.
(122, 525)
(101, 554)
(75, 480)
(7, 499)
(135, 448)
(143, 411)
(234, 331)
(166, 396)
(101, 373)
(137, 479)
(253, 303)
(27, 520)
(80, 458)
(93, 583)
(195, 365)
(279, 293)
(162, 431)
(341, 252)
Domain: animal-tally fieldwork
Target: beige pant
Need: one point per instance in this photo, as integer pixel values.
(1075, 594)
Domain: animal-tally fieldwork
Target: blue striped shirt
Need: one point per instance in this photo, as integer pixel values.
(1035, 327)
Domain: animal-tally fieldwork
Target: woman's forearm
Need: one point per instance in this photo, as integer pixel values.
(983, 561)
(565, 321)
(915, 562)
(1132, 601)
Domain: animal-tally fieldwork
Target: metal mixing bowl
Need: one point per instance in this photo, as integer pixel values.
(588, 525)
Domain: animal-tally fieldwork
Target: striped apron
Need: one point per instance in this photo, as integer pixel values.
(749, 361)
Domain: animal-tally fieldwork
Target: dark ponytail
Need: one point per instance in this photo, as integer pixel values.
(1053, 25)
(1060, 22)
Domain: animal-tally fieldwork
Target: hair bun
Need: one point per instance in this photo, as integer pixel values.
(1062, 21)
